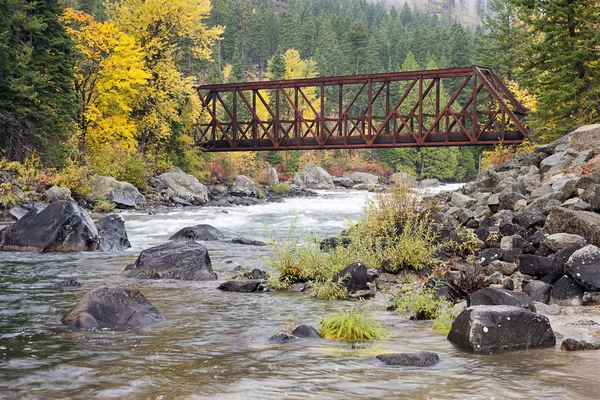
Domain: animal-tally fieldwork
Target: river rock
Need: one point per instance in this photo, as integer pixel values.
(313, 177)
(62, 226)
(241, 185)
(182, 185)
(123, 194)
(56, 193)
(538, 291)
(184, 260)
(363, 177)
(585, 138)
(584, 267)
(461, 201)
(354, 277)
(114, 306)
(247, 241)
(566, 292)
(342, 181)
(201, 232)
(65, 284)
(429, 183)
(19, 212)
(306, 331)
(559, 241)
(499, 329)
(113, 236)
(497, 297)
(582, 223)
(420, 359)
(282, 337)
(536, 265)
(243, 286)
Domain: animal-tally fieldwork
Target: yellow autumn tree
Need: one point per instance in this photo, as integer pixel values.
(297, 68)
(108, 76)
(160, 26)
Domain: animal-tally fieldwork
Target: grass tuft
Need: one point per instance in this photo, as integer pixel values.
(352, 326)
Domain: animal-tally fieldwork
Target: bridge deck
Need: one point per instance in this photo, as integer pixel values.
(446, 107)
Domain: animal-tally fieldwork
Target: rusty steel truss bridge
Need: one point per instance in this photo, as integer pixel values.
(444, 107)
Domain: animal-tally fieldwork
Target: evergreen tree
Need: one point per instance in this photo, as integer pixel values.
(277, 66)
(37, 100)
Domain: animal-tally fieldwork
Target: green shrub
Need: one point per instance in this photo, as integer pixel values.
(424, 304)
(329, 290)
(281, 189)
(352, 326)
(104, 206)
(75, 177)
(465, 245)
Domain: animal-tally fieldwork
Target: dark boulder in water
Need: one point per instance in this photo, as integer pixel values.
(62, 226)
(306, 331)
(419, 359)
(187, 261)
(113, 236)
(115, 306)
(202, 232)
(354, 277)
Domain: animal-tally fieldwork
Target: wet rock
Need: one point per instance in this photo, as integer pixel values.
(247, 241)
(313, 177)
(364, 178)
(354, 277)
(241, 185)
(496, 297)
(56, 193)
(123, 194)
(362, 294)
(420, 359)
(538, 291)
(173, 260)
(62, 226)
(111, 230)
(306, 331)
(254, 274)
(282, 337)
(201, 232)
(566, 292)
(559, 241)
(579, 345)
(535, 265)
(19, 212)
(499, 329)
(584, 267)
(65, 284)
(113, 306)
(182, 185)
(243, 286)
(582, 223)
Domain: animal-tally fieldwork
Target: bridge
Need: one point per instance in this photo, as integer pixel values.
(444, 107)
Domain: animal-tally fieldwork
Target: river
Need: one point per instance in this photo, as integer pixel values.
(214, 344)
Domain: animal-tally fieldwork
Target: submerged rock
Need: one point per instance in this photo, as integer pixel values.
(420, 359)
(64, 284)
(173, 260)
(247, 241)
(243, 286)
(114, 306)
(113, 236)
(578, 345)
(62, 226)
(306, 331)
(281, 337)
(201, 232)
(499, 329)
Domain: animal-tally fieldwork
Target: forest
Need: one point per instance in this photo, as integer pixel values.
(106, 87)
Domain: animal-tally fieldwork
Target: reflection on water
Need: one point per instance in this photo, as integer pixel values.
(213, 344)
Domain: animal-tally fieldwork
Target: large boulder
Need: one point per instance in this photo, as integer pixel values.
(566, 292)
(56, 193)
(497, 297)
(582, 223)
(354, 277)
(113, 236)
(313, 177)
(499, 329)
(363, 177)
(123, 194)
(342, 181)
(241, 185)
(585, 138)
(538, 291)
(62, 226)
(584, 267)
(201, 232)
(115, 306)
(184, 260)
(183, 186)
(533, 265)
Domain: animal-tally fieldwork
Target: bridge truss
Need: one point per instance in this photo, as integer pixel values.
(445, 107)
